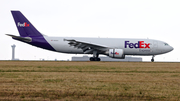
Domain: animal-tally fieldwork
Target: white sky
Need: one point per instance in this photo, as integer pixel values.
(153, 19)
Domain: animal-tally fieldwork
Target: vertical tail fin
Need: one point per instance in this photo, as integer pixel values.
(25, 28)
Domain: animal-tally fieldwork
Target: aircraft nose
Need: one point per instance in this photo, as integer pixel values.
(170, 48)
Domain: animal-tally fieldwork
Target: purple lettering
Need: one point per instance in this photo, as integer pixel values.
(136, 45)
(131, 45)
(140, 44)
(126, 43)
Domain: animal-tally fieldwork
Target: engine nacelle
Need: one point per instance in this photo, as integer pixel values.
(116, 53)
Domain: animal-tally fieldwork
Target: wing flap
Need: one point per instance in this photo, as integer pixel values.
(87, 47)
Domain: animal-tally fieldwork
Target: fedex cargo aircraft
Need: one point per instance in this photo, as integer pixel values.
(112, 47)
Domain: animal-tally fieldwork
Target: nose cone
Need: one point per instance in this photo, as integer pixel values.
(170, 48)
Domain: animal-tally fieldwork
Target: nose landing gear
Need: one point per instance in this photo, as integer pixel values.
(152, 60)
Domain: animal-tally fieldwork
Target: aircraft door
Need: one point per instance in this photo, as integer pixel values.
(155, 46)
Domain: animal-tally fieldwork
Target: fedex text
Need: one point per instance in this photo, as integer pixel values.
(22, 24)
(139, 44)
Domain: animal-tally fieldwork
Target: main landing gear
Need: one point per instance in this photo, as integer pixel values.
(95, 57)
(152, 60)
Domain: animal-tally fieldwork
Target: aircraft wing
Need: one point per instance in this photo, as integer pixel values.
(87, 47)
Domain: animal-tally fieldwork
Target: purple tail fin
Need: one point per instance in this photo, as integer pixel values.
(25, 28)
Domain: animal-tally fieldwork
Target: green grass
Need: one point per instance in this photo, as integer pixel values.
(25, 80)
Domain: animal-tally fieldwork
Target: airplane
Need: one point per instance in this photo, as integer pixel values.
(113, 47)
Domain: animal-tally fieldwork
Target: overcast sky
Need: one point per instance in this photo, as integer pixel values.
(153, 19)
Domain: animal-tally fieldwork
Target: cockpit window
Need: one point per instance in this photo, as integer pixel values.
(166, 44)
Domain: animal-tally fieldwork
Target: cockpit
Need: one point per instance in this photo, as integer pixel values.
(166, 44)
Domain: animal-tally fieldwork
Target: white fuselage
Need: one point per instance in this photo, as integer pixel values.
(129, 46)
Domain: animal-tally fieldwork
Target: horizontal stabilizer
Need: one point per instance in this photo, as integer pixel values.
(26, 39)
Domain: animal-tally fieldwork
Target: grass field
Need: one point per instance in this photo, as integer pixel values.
(25, 80)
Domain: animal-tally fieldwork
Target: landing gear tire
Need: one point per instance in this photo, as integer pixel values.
(91, 59)
(97, 59)
(94, 59)
(152, 60)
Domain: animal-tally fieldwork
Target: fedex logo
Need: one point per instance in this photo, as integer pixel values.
(23, 24)
(140, 44)
(116, 53)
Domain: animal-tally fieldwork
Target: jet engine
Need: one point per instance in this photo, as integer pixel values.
(116, 53)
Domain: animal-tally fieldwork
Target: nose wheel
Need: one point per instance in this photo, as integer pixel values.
(152, 60)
